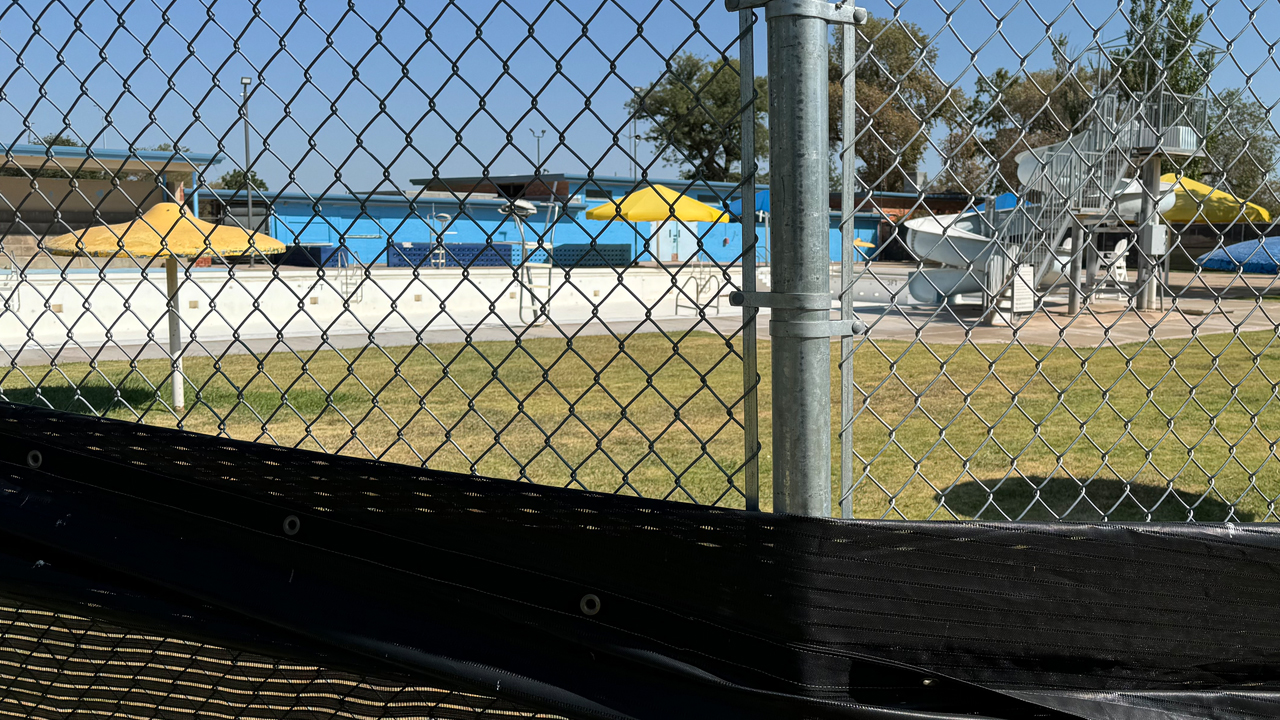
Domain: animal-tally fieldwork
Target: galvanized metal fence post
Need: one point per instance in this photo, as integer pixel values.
(848, 250)
(1148, 269)
(176, 381)
(1076, 290)
(750, 370)
(799, 200)
(799, 185)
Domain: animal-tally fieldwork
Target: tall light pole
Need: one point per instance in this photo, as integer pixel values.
(537, 136)
(635, 134)
(245, 82)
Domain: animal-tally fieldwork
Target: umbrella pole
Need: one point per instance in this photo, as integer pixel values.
(175, 339)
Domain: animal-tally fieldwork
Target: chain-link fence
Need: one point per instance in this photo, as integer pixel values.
(1074, 318)
(442, 292)
(61, 665)
(511, 239)
(508, 235)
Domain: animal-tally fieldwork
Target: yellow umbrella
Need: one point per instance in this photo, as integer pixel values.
(657, 204)
(167, 230)
(1196, 202)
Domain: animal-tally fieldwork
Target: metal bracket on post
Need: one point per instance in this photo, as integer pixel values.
(842, 13)
(781, 301)
(798, 301)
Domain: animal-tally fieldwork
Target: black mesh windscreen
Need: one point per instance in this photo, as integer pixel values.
(588, 605)
(57, 665)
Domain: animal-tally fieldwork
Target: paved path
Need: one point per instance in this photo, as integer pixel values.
(1213, 303)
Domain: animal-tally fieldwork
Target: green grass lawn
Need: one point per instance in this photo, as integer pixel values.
(1186, 427)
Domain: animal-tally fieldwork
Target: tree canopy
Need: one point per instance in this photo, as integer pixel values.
(1242, 149)
(900, 100)
(235, 180)
(1010, 113)
(692, 112)
(1161, 48)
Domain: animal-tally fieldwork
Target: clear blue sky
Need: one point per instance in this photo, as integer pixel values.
(307, 64)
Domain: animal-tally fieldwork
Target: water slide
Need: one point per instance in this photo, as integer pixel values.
(963, 244)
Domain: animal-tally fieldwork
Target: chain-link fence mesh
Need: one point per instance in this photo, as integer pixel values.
(440, 294)
(508, 232)
(1072, 317)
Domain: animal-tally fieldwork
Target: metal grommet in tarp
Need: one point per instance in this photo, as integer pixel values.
(35, 459)
(292, 525)
(589, 604)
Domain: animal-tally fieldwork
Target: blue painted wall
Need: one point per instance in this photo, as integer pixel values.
(368, 233)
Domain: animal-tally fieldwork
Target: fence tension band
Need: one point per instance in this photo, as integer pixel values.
(781, 301)
(816, 328)
(843, 13)
(798, 301)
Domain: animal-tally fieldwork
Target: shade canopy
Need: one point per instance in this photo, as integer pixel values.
(69, 159)
(762, 203)
(1252, 256)
(164, 230)
(1195, 202)
(657, 203)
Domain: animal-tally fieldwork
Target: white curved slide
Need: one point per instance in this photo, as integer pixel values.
(952, 241)
(958, 243)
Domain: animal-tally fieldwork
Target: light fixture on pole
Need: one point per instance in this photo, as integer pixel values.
(537, 136)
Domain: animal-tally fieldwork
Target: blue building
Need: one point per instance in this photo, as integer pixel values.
(721, 242)
(459, 221)
(388, 228)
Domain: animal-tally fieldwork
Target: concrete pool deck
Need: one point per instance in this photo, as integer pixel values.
(1212, 303)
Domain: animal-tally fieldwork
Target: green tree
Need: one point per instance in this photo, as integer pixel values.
(1268, 196)
(1242, 147)
(52, 168)
(1160, 49)
(235, 180)
(1013, 112)
(693, 117)
(900, 100)
(966, 167)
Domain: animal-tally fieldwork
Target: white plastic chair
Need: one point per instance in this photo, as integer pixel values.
(1115, 266)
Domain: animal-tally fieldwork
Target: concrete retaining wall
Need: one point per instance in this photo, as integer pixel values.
(127, 307)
